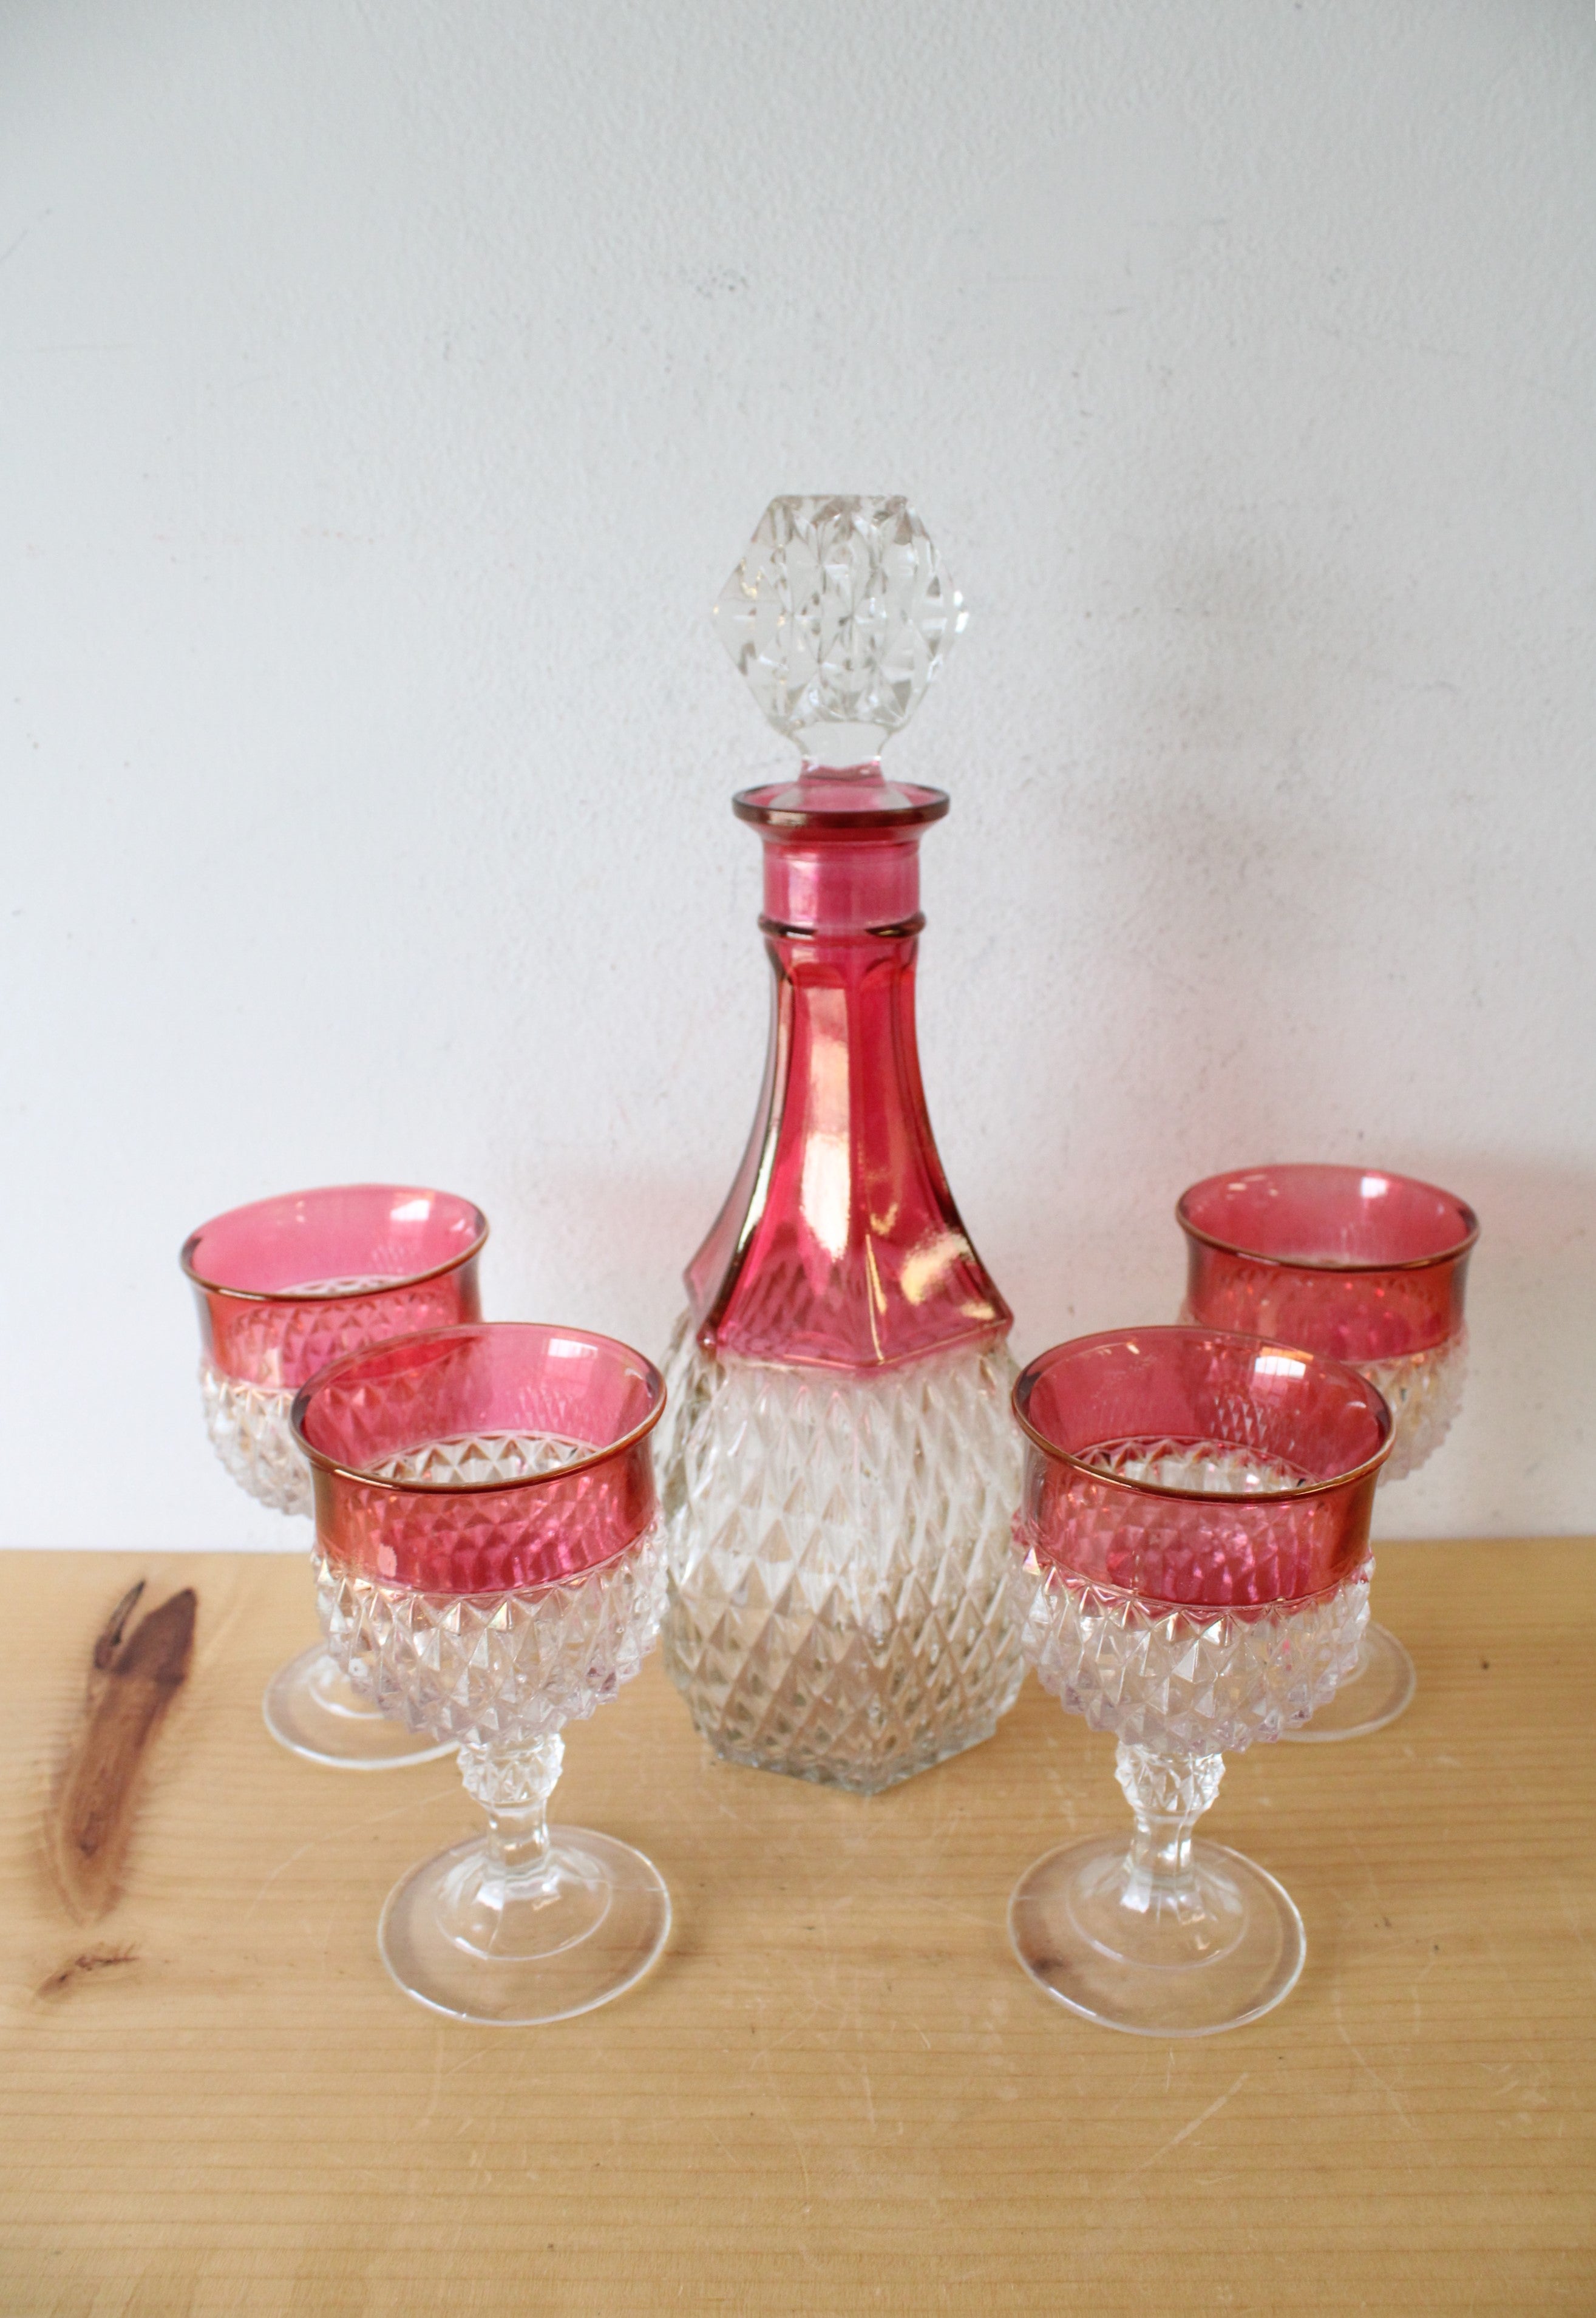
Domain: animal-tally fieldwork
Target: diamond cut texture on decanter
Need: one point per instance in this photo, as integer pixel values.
(502, 1669)
(1425, 1391)
(840, 1553)
(1197, 1679)
(839, 613)
(247, 1426)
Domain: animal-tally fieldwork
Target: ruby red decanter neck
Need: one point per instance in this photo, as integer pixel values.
(840, 1245)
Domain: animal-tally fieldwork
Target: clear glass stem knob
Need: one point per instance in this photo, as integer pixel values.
(514, 1788)
(1168, 1794)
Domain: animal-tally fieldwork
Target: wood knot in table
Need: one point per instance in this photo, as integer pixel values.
(78, 1967)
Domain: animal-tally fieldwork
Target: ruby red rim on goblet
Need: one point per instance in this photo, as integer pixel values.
(284, 1285)
(1192, 1574)
(370, 1426)
(1372, 1265)
(491, 1567)
(264, 1246)
(1368, 1267)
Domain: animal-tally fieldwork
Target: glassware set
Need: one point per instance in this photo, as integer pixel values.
(865, 1528)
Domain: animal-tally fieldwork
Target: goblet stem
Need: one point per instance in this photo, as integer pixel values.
(1174, 1936)
(524, 1922)
(1169, 1793)
(514, 1785)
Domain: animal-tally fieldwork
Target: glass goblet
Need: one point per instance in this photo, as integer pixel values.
(1367, 1268)
(491, 1568)
(1192, 1574)
(283, 1286)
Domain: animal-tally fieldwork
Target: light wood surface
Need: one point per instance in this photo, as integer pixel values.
(837, 2092)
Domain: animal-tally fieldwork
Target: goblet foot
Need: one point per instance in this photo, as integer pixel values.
(1230, 1950)
(465, 1939)
(311, 1708)
(1380, 1690)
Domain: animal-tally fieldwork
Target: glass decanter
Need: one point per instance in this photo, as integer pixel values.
(840, 1464)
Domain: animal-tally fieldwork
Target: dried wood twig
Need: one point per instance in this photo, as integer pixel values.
(130, 1684)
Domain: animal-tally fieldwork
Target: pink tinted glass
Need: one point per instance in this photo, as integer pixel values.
(495, 1378)
(1348, 1260)
(285, 1285)
(840, 1245)
(1158, 1387)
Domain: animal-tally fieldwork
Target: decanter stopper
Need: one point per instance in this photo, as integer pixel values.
(839, 616)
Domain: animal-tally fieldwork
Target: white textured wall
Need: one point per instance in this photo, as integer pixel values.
(387, 389)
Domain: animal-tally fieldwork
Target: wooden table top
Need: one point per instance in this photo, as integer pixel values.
(837, 2092)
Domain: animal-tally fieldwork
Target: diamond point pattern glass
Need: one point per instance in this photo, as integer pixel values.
(839, 1547)
(284, 1286)
(247, 1426)
(840, 1467)
(491, 1569)
(1192, 1571)
(1205, 1680)
(839, 616)
(1366, 1267)
(1424, 1390)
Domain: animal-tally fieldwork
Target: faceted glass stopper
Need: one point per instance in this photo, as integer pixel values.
(839, 614)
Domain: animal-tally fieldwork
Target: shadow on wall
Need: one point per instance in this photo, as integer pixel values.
(601, 1248)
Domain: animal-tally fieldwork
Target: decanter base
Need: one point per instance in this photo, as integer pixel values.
(840, 1604)
(313, 1710)
(1235, 1955)
(598, 1919)
(1380, 1690)
(856, 1778)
